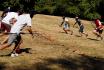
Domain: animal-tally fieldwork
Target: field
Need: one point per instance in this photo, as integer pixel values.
(55, 50)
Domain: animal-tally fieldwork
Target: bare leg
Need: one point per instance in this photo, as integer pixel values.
(100, 35)
(85, 34)
(97, 34)
(4, 46)
(65, 31)
(80, 33)
(17, 45)
(70, 31)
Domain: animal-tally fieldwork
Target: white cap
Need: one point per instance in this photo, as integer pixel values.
(66, 19)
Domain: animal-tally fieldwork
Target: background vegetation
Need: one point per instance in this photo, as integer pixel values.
(87, 9)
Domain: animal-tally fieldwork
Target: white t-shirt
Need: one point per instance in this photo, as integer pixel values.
(9, 16)
(22, 21)
(66, 19)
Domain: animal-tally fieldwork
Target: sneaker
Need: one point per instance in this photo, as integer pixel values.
(12, 55)
(16, 54)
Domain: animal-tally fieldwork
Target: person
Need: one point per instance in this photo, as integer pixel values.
(98, 29)
(15, 32)
(8, 20)
(81, 26)
(5, 12)
(66, 25)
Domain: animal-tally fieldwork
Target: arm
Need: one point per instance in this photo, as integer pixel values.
(74, 24)
(30, 31)
(62, 23)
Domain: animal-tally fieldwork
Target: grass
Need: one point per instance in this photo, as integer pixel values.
(63, 52)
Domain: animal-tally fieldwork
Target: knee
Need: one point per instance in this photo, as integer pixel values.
(94, 31)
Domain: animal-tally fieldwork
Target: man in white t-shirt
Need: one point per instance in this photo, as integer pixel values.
(14, 36)
(8, 20)
(66, 25)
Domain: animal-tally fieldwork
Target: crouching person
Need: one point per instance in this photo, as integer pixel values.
(15, 36)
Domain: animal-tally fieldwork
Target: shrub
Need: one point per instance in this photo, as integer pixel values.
(73, 10)
(92, 16)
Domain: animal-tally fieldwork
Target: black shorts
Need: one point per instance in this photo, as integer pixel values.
(81, 29)
(100, 31)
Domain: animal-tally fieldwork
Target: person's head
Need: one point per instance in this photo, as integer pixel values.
(32, 13)
(20, 12)
(8, 7)
(63, 17)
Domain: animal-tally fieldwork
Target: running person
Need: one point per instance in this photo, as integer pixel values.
(7, 21)
(81, 26)
(99, 28)
(14, 36)
(66, 25)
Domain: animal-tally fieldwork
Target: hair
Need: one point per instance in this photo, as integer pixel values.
(63, 17)
(32, 13)
(20, 12)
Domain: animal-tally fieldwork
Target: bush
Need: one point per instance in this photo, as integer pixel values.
(48, 10)
(73, 10)
(92, 16)
(60, 10)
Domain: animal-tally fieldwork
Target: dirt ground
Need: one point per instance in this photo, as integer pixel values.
(52, 49)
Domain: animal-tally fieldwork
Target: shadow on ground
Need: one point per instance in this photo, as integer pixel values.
(26, 50)
(93, 39)
(2, 65)
(83, 62)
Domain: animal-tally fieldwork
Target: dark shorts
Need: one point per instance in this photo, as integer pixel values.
(81, 29)
(66, 26)
(100, 31)
(14, 38)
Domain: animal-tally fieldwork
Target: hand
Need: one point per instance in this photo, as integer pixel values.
(32, 35)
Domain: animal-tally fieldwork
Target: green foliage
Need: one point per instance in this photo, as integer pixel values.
(60, 10)
(89, 9)
(92, 16)
(74, 10)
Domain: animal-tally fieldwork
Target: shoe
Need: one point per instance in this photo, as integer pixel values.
(16, 54)
(12, 55)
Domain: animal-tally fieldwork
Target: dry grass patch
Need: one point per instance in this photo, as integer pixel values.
(64, 52)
